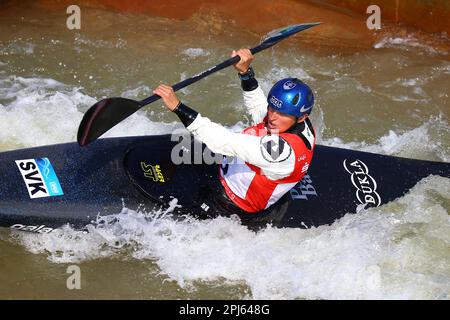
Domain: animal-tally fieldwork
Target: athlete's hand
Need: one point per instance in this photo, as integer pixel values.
(168, 96)
(246, 59)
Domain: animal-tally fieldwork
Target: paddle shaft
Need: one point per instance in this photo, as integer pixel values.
(197, 77)
(107, 113)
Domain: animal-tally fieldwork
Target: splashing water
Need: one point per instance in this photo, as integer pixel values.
(392, 100)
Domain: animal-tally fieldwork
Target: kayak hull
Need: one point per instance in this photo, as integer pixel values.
(138, 172)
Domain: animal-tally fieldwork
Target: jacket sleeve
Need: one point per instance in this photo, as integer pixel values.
(272, 154)
(256, 104)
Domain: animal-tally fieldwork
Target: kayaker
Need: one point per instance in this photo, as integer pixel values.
(275, 153)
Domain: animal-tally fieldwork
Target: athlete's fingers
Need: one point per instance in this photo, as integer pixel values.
(163, 90)
(246, 59)
(168, 96)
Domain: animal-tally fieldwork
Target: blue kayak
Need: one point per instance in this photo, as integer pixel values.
(47, 187)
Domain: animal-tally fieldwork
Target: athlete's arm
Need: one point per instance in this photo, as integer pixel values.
(254, 98)
(271, 154)
(255, 102)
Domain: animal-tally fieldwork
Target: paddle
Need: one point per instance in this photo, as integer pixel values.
(106, 113)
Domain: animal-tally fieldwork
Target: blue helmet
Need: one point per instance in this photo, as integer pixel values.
(291, 96)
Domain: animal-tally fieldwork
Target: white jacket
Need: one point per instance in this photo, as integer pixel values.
(247, 148)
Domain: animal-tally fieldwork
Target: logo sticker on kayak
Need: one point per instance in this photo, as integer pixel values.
(153, 172)
(40, 178)
(366, 186)
(35, 229)
(303, 189)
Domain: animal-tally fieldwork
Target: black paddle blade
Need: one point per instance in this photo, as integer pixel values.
(104, 115)
(277, 35)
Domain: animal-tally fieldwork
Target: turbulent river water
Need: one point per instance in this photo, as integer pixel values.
(392, 99)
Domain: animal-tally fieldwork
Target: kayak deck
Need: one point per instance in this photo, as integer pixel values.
(100, 178)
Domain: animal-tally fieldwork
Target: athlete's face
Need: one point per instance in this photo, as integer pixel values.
(279, 122)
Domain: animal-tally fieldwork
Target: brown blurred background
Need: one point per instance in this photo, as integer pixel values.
(344, 20)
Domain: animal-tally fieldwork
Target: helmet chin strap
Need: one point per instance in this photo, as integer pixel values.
(292, 128)
(294, 124)
(304, 118)
(296, 120)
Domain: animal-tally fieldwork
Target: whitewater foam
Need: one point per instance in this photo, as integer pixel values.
(407, 42)
(195, 52)
(424, 142)
(388, 252)
(397, 251)
(43, 111)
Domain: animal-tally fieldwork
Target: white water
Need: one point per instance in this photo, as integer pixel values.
(409, 144)
(409, 42)
(398, 251)
(381, 253)
(40, 111)
(390, 102)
